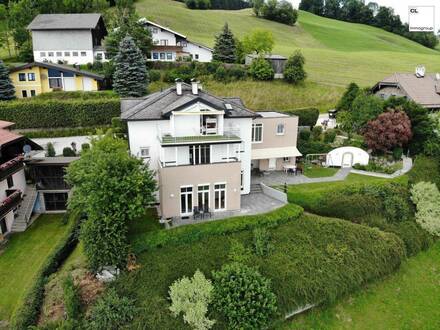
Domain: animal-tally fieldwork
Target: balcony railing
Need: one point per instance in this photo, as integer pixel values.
(10, 167)
(10, 202)
(52, 183)
(227, 136)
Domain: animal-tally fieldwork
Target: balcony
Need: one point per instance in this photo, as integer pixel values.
(166, 139)
(10, 167)
(10, 202)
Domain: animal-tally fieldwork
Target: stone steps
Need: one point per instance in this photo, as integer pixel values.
(24, 213)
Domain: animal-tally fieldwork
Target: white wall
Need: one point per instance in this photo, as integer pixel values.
(186, 125)
(89, 58)
(205, 55)
(335, 157)
(163, 35)
(20, 184)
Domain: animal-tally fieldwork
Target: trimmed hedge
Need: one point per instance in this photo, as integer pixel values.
(425, 169)
(65, 132)
(307, 116)
(193, 233)
(60, 113)
(27, 315)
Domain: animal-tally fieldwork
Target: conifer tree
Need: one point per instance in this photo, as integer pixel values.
(131, 76)
(7, 90)
(224, 49)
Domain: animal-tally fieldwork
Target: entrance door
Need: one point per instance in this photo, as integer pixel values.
(69, 84)
(347, 159)
(186, 201)
(272, 164)
(87, 84)
(203, 196)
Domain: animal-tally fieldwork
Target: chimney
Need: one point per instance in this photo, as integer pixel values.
(195, 86)
(178, 86)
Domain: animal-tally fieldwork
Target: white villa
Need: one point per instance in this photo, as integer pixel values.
(169, 45)
(70, 38)
(203, 147)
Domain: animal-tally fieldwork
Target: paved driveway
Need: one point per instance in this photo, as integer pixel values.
(279, 178)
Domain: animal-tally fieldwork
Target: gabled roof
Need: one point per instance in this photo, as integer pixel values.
(425, 90)
(6, 124)
(144, 20)
(64, 22)
(160, 105)
(59, 67)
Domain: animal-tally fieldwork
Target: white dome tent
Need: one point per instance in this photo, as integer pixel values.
(347, 157)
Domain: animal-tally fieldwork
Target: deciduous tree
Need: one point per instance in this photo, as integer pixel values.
(294, 70)
(259, 42)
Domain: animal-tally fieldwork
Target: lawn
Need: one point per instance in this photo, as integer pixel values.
(336, 52)
(315, 171)
(408, 299)
(23, 256)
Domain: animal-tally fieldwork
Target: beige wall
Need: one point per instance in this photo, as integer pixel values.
(172, 178)
(270, 137)
(264, 164)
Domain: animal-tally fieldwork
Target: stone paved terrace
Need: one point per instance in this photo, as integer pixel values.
(254, 203)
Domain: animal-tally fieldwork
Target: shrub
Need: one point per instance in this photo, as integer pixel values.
(191, 297)
(68, 152)
(425, 169)
(50, 150)
(329, 136)
(72, 302)
(85, 147)
(305, 135)
(184, 72)
(294, 70)
(188, 234)
(262, 245)
(316, 133)
(236, 72)
(397, 153)
(238, 252)
(111, 312)
(155, 75)
(426, 196)
(244, 297)
(260, 69)
(307, 116)
(220, 74)
(34, 113)
(65, 132)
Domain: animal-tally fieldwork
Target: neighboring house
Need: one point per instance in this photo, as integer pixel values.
(70, 38)
(421, 88)
(14, 193)
(201, 146)
(35, 78)
(169, 45)
(278, 63)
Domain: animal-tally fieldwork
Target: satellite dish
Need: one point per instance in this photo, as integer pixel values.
(420, 71)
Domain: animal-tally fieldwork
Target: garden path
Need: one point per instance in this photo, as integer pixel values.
(407, 166)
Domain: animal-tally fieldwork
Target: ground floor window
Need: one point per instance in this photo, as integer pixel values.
(203, 196)
(220, 196)
(55, 83)
(169, 56)
(242, 180)
(55, 201)
(186, 200)
(33, 92)
(286, 159)
(24, 93)
(3, 228)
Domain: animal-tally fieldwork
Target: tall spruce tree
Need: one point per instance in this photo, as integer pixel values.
(131, 76)
(224, 49)
(7, 90)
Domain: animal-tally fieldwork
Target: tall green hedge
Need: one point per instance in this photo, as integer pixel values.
(60, 113)
(307, 116)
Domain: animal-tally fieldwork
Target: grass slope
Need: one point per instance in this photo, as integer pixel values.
(408, 299)
(336, 52)
(23, 256)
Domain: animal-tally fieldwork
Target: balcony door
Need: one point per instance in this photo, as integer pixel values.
(220, 197)
(203, 196)
(199, 154)
(186, 203)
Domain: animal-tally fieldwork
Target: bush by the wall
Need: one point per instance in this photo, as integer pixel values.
(187, 234)
(155, 75)
(27, 315)
(65, 132)
(68, 152)
(329, 136)
(307, 116)
(56, 113)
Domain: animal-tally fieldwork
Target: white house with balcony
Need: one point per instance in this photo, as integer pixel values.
(202, 146)
(68, 38)
(169, 45)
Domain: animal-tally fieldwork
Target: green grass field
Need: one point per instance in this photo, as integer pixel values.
(336, 52)
(23, 256)
(408, 299)
(315, 171)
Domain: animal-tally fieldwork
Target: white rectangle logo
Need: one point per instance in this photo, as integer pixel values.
(421, 18)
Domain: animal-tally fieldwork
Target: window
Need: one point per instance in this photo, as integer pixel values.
(145, 152)
(59, 54)
(200, 154)
(42, 54)
(33, 92)
(55, 201)
(99, 56)
(280, 129)
(242, 180)
(162, 56)
(155, 30)
(10, 181)
(220, 197)
(155, 56)
(184, 44)
(74, 53)
(197, 56)
(203, 196)
(286, 159)
(155, 42)
(55, 83)
(50, 54)
(163, 42)
(83, 54)
(31, 76)
(22, 76)
(24, 93)
(66, 53)
(3, 228)
(169, 56)
(186, 200)
(257, 133)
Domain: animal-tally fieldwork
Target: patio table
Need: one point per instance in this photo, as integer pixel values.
(287, 167)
